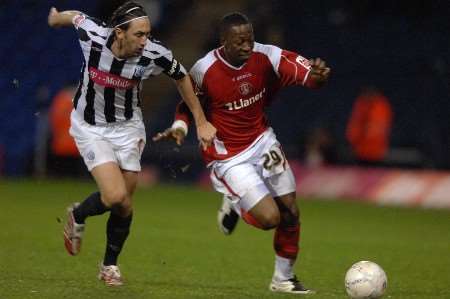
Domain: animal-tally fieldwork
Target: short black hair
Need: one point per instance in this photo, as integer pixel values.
(127, 11)
(232, 19)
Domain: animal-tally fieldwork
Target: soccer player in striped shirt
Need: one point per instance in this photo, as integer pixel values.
(106, 121)
(237, 81)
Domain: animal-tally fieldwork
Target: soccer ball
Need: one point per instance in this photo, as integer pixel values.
(365, 280)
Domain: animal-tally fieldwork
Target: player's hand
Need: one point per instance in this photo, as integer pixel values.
(171, 134)
(52, 17)
(206, 133)
(319, 71)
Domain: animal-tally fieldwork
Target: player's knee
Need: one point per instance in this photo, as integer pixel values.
(290, 213)
(296, 214)
(124, 209)
(270, 220)
(127, 205)
(116, 197)
(292, 216)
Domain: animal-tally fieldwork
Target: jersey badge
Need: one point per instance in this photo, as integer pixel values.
(78, 19)
(245, 88)
(139, 71)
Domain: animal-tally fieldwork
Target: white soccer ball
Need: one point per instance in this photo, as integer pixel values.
(365, 280)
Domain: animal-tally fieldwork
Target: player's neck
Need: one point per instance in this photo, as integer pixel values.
(229, 60)
(117, 50)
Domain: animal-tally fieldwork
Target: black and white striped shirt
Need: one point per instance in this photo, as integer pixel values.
(109, 86)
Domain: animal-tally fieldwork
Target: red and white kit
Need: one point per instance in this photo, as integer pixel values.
(245, 156)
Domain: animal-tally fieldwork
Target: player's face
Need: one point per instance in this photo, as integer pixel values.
(135, 37)
(238, 44)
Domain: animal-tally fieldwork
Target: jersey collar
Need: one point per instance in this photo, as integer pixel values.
(221, 58)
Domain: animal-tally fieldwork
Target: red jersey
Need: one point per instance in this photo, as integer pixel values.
(234, 98)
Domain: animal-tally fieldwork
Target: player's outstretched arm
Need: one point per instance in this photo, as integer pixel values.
(179, 129)
(319, 72)
(206, 132)
(61, 19)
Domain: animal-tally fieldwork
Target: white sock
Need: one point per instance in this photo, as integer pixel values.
(283, 268)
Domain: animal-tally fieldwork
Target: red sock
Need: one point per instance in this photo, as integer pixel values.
(250, 219)
(286, 241)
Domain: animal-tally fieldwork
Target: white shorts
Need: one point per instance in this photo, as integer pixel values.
(260, 170)
(121, 143)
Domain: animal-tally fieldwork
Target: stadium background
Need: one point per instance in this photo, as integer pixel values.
(401, 47)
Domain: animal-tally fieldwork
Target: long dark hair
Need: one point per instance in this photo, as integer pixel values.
(127, 11)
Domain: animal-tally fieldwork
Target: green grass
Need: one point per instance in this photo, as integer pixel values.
(176, 251)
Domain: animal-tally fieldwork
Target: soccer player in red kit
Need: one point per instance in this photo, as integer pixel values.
(236, 82)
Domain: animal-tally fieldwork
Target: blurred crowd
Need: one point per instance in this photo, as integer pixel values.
(387, 103)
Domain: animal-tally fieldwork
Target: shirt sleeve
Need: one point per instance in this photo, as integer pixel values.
(182, 116)
(78, 20)
(197, 79)
(88, 27)
(293, 69)
(167, 64)
(85, 22)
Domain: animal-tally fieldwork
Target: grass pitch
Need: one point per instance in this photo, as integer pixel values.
(176, 251)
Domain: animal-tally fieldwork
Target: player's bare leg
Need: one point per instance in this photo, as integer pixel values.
(286, 245)
(73, 231)
(116, 189)
(265, 214)
(282, 214)
(118, 228)
(229, 214)
(107, 176)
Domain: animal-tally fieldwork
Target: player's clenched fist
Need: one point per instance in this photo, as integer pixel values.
(319, 71)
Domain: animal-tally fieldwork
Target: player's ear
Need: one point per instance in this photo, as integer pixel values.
(119, 33)
(223, 38)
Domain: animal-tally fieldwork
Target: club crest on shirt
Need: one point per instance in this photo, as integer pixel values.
(78, 19)
(303, 61)
(139, 71)
(245, 88)
(91, 156)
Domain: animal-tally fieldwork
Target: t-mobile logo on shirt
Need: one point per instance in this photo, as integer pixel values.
(242, 103)
(109, 80)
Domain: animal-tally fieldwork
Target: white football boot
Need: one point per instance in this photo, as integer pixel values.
(73, 232)
(293, 286)
(110, 275)
(227, 217)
